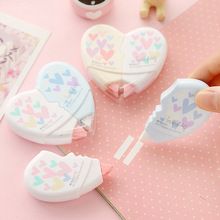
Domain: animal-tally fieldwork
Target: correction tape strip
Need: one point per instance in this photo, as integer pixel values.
(59, 109)
(177, 115)
(123, 64)
(53, 178)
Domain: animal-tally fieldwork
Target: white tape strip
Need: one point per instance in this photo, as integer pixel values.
(123, 148)
(132, 154)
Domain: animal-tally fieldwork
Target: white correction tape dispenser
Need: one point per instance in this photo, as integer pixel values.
(53, 178)
(177, 115)
(123, 64)
(60, 109)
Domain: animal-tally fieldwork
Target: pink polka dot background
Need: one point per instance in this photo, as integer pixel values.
(175, 180)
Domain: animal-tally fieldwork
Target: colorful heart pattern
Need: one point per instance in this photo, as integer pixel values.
(61, 95)
(134, 58)
(54, 178)
(55, 174)
(177, 114)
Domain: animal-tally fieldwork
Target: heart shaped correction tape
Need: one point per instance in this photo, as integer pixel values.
(123, 64)
(59, 109)
(92, 9)
(177, 115)
(53, 178)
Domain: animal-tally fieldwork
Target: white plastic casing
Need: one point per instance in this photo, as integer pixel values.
(177, 115)
(60, 108)
(53, 178)
(123, 64)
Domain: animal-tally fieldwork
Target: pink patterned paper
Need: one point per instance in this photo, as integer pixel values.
(20, 44)
(15, 48)
(178, 179)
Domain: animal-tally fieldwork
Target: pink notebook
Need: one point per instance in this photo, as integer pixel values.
(176, 180)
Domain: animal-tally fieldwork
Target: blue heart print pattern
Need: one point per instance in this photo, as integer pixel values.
(64, 85)
(178, 114)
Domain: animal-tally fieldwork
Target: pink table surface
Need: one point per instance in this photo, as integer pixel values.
(67, 29)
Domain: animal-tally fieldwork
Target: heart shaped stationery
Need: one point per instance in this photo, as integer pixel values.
(59, 109)
(177, 115)
(123, 64)
(53, 178)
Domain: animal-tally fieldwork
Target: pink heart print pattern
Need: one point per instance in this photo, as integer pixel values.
(16, 47)
(145, 47)
(53, 178)
(123, 64)
(53, 174)
(100, 45)
(30, 113)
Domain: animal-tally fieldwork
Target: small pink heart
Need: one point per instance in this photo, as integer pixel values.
(157, 39)
(139, 56)
(150, 33)
(18, 103)
(43, 114)
(93, 36)
(35, 171)
(46, 187)
(49, 173)
(42, 163)
(106, 54)
(135, 36)
(146, 43)
(65, 168)
(28, 110)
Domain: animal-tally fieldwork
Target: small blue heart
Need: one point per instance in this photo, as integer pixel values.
(40, 121)
(66, 177)
(188, 107)
(109, 37)
(48, 89)
(46, 76)
(72, 91)
(191, 94)
(174, 99)
(196, 115)
(66, 73)
(162, 118)
(57, 79)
